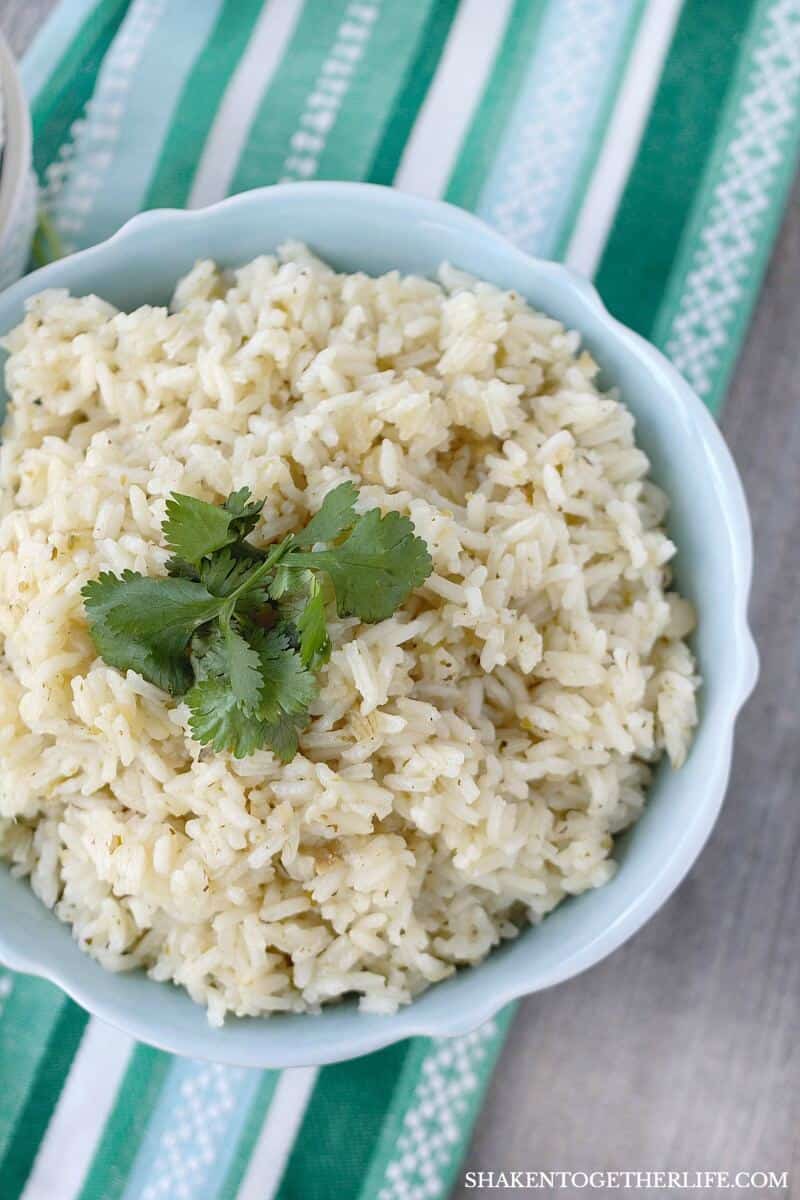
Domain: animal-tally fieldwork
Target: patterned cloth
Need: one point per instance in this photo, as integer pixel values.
(646, 142)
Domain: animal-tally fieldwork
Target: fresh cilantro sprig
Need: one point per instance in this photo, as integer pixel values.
(239, 630)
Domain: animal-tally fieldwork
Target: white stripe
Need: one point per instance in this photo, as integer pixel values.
(80, 1116)
(444, 118)
(623, 134)
(258, 64)
(286, 1111)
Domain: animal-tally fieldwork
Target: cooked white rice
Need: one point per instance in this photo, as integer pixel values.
(470, 759)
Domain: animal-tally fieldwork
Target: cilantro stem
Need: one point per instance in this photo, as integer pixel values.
(260, 573)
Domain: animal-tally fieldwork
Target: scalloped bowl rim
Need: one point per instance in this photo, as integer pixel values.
(310, 1039)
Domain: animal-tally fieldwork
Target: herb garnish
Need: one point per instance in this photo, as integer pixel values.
(240, 631)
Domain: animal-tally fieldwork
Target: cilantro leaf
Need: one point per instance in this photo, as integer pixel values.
(283, 581)
(282, 735)
(224, 653)
(336, 515)
(244, 669)
(288, 688)
(208, 654)
(220, 718)
(179, 568)
(145, 625)
(375, 568)
(194, 528)
(290, 590)
(217, 719)
(244, 512)
(315, 645)
(223, 572)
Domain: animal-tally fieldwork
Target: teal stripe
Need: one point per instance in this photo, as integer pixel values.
(381, 74)
(63, 98)
(675, 148)
(715, 280)
(330, 1135)
(51, 42)
(385, 1147)
(125, 1128)
(443, 1084)
(31, 1124)
(483, 137)
(30, 1014)
(277, 120)
(474, 1098)
(249, 1135)
(198, 103)
(418, 79)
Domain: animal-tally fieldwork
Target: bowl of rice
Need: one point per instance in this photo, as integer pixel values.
(496, 785)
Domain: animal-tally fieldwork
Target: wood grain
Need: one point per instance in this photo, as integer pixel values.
(683, 1050)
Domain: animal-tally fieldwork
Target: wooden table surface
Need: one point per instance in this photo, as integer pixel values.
(682, 1050)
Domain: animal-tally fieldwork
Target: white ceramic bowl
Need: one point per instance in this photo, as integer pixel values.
(358, 226)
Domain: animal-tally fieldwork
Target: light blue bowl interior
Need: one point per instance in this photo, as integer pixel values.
(360, 229)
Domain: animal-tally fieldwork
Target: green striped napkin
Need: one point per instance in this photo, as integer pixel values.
(647, 142)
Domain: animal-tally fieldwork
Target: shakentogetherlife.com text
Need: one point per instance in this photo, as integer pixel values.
(710, 1182)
